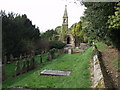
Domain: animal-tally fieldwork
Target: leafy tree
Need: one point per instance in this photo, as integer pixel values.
(48, 35)
(114, 27)
(114, 20)
(76, 30)
(58, 29)
(96, 15)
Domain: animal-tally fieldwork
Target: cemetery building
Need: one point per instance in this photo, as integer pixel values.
(65, 34)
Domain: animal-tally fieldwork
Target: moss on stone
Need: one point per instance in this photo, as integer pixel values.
(100, 84)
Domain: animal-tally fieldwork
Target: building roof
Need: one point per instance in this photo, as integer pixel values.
(65, 12)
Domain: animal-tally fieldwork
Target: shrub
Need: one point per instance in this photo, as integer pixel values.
(56, 44)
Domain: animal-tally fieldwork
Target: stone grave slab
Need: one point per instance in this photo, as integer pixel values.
(55, 73)
(78, 51)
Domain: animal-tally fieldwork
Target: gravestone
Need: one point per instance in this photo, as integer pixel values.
(32, 53)
(20, 56)
(55, 73)
(3, 73)
(24, 67)
(40, 59)
(49, 58)
(17, 69)
(25, 56)
(5, 59)
(11, 58)
(69, 51)
(27, 67)
(32, 63)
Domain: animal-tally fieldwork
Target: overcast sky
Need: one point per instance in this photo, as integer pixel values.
(46, 14)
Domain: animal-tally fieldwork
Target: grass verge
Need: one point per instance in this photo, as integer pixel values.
(79, 78)
(101, 46)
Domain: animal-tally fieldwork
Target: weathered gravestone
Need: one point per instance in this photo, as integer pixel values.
(32, 65)
(5, 59)
(27, 63)
(32, 53)
(20, 56)
(24, 67)
(25, 56)
(3, 73)
(55, 73)
(17, 69)
(69, 51)
(11, 58)
(49, 58)
(40, 59)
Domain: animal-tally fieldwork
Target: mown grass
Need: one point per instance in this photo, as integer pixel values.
(79, 78)
(10, 68)
(101, 46)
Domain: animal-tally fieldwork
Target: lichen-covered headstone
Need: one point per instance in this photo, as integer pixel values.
(40, 59)
(24, 67)
(17, 69)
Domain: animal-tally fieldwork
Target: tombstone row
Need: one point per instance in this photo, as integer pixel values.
(16, 58)
(27, 66)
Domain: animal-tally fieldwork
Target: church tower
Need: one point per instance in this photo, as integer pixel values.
(65, 35)
(65, 20)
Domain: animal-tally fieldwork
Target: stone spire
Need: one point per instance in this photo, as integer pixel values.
(65, 12)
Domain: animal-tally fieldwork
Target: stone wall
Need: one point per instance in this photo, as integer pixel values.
(96, 73)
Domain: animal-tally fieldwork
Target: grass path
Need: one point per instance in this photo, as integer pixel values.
(79, 78)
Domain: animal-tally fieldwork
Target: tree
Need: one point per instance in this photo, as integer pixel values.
(58, 29)
(114, 20)
(114, 27)
(48, 35)
(76, 30)
(96, 15)
(18, 33)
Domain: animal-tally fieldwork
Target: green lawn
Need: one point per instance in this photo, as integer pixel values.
(79, 78)
(10, 68)
(101, 46)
